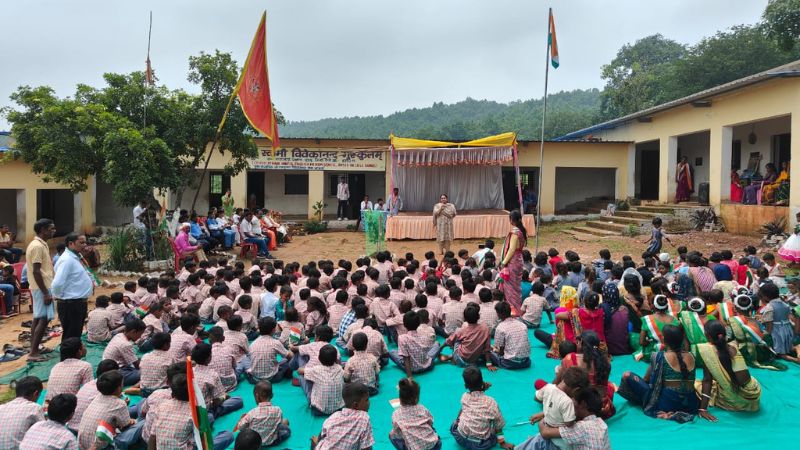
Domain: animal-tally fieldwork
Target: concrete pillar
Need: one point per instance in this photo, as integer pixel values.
(316, 190)
(239, 189)
(626, 179)
(78, 205)
(547, 198)
(26, 212)
(794, 171)
(668, 161)
(719, 167)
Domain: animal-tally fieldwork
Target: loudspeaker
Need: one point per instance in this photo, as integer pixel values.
(702, 194)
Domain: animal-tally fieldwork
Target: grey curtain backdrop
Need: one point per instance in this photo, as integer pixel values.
(467, 186)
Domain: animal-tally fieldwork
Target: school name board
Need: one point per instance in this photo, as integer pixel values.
(320, 159)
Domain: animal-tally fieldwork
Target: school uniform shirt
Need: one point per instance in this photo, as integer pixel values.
(85, 395)
(148, 299)
(348, 429)
(480, 415)
(118, 312)
(183, 278)
(207, 308)
(249, 322)
(192, 294)
(488, 316)
(428, 333)
(396, 322)
(210, 383)
(120, 349)
(397, 296)
(414, 346)
(511, 335)
(237, 342)
(383, 309)
(352, 329)
(532, 307)
(264, 420)
(181, 345)
(286, 333)
(264, 352)
(48, 435)
(17, 416)
(98, 328)
(363, 367)
(453, 315)
(153, 369)
(335, 314)
(108, 408)
(312, 351)
(171, 423)
(472, 339)
(326, 394)
(313, 320)
(375, 343)
(590, 433)
(223, 362)
(414, 425)
(153, 325)
(67, 377)
(221, 300)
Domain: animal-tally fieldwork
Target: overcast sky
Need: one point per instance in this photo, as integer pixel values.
(333, 58)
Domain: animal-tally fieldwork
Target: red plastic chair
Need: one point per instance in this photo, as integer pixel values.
(23, 293)
(247, 247)
(178, 258)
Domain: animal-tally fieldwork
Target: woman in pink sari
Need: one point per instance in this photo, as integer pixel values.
(683, 176)
(511, 262)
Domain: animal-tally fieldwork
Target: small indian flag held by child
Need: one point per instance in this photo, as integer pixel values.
(551, 41)
(294, 335)
(141, 311)
(395, 402)
(202, 429)
(105, 432)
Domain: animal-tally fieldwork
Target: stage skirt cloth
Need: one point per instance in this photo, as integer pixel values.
(465, 226)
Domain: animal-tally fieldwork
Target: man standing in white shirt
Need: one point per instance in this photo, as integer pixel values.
(139, 216)
(72, 287)
(343, 195)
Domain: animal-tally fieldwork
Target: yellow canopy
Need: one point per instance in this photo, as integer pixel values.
(499, 140)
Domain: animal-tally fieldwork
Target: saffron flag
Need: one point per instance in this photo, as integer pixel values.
(551, 41)
(253, 88)
(202, 429)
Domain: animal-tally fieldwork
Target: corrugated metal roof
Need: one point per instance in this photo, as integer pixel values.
(787, 70)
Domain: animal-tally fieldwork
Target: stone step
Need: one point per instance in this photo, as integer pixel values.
(636, 214)
(626, 220)
(595, 231)
(654, 209)
(606, 225)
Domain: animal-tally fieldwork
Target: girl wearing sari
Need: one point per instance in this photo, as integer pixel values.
(443, 214)
(683, 177)
(651, 339)
(727, 382)
(693, 320)
(565, 331)
(591, 357)
(736, 187)
(748, 334)
(667, 389)
(511, 262)
(769, 190)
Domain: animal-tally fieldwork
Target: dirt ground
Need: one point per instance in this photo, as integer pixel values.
(350, 245)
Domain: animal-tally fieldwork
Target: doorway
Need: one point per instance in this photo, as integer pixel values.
(358, 188)
(648, 181)
(59, 206)
(218, 184)
(255, 187)
(529, 181)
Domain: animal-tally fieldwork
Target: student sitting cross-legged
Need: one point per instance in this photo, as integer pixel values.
(218, 401)
(266, 419)
(323, 382)
(413, 352)
(53, 432)
(153, 366)
(470, 342)
(108, 407)
(363, 366)
(18, 415)
(412, 423)
(349, 428)
(479, 421)
(264, 352)
(512, 349)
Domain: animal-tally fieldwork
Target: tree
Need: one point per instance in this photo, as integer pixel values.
(782, 22)
(634, 77)
(136, 137)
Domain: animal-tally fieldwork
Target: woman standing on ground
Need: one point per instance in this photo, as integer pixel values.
(227, 203)
(443, 214)
(683, 176)
(511, 262)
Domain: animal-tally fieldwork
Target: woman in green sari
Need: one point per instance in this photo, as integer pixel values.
(727, 382)
(748, 334)
(651, 337)
(693, 321)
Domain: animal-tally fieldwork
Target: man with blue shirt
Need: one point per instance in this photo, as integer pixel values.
(72, 286)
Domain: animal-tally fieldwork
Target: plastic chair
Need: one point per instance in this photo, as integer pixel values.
(23, 293)
(178, 258)
(247, 247)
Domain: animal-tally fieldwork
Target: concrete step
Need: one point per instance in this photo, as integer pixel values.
(654, 209)
(606, 225)
(626, 220)
(595, 231)
(636, 214)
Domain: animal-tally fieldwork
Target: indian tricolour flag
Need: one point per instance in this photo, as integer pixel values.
(105, 432)
(202, 429)
(551, 41)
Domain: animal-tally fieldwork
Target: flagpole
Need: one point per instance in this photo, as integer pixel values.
(541, 140)
(147, 82)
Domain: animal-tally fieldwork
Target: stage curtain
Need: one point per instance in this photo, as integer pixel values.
(468, 187)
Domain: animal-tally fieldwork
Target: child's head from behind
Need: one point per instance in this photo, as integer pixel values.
(327, 355)
(360, 342)
(110, 383)
(100, 302)
(262, 391)
(409, 391)
(573, 379)
(565, 348)
(266, 325)
(323, 333)
(473, 379)
(472, 314)
(356, 396)
(72, 348)
(161, 341)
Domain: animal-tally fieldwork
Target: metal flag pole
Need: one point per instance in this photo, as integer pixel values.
(147, 75)
(541, 140)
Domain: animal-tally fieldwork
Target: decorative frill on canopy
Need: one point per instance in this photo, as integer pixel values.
(492, 150)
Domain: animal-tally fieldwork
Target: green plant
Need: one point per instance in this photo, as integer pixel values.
(623, 205)
(315, 226)
(775, 227)
(700, 217)
(631, 231)
(123, 249)
(319, 210)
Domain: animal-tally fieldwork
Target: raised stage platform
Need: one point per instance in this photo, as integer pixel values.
(469, 224)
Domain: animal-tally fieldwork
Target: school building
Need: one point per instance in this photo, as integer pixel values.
(741, 125)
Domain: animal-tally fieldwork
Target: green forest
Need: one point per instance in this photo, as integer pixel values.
(648, 72)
